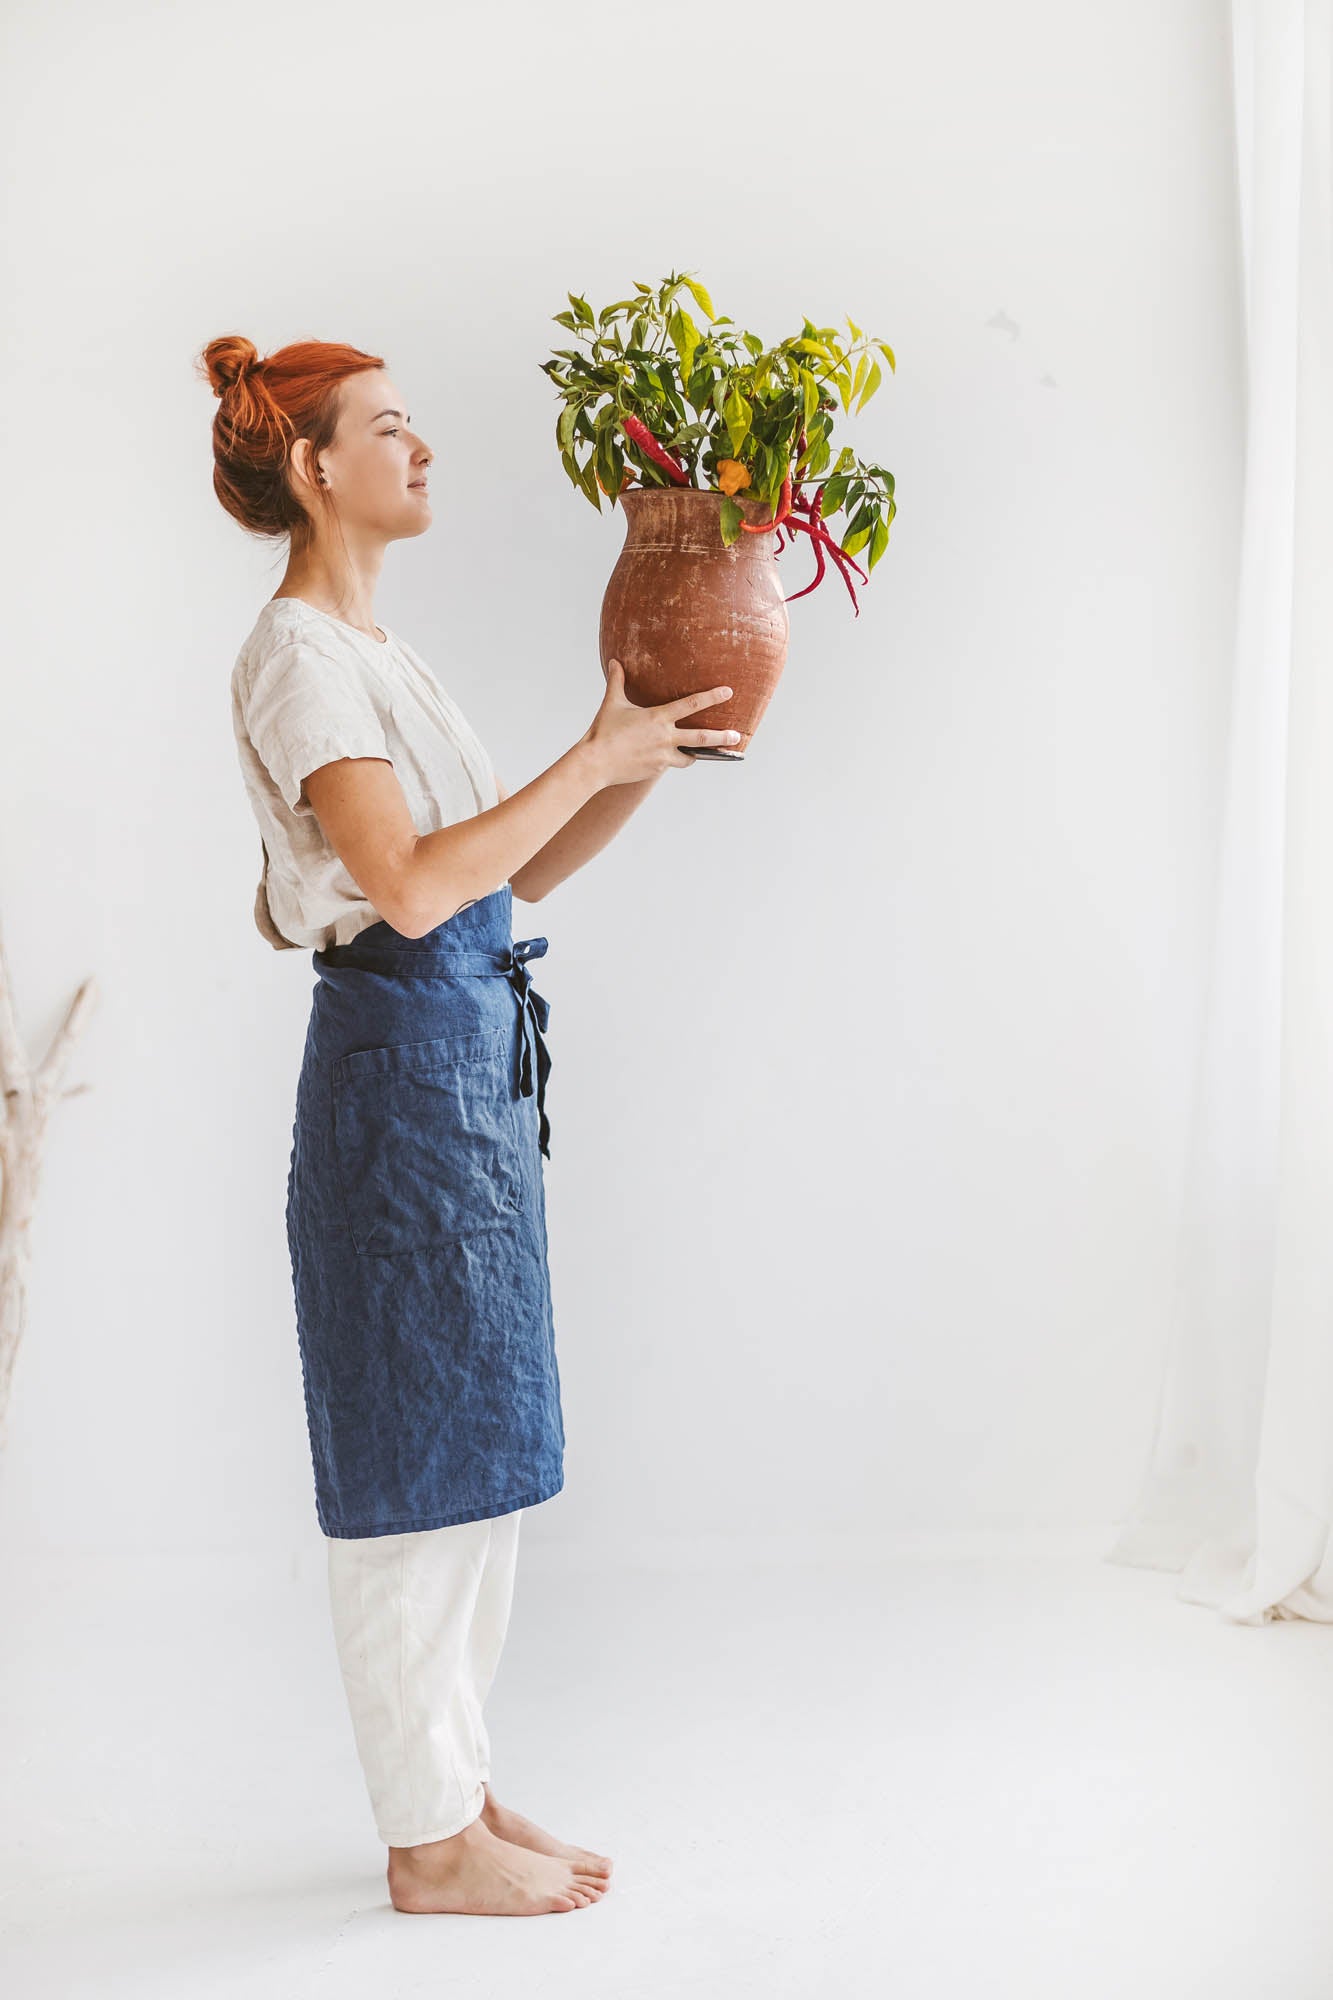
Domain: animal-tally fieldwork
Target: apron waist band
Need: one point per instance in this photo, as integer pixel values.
(511, 964)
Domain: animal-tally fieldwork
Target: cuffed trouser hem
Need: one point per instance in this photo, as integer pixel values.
(419, 1620)
(444, 1833)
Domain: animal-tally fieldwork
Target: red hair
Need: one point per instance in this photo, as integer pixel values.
(263, 407)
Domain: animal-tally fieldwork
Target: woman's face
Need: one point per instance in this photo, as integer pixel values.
(376, 466)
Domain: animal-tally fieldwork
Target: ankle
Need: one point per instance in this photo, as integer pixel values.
(426, 1852)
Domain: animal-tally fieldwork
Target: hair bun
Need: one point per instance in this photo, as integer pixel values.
(229, 359)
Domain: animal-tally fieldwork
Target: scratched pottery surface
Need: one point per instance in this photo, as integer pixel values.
(682, 612)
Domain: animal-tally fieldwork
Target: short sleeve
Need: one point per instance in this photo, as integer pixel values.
(305, 707)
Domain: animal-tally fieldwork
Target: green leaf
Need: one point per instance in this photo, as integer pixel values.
(732, 516)
(879, 541)
(686, 336)
(887, 352)
(873, 380)
(737, 416)
(674, 411)
(582, 308)
(565, 428)
(701, 298)
(855, 541)
(856, 331)
(588, 474)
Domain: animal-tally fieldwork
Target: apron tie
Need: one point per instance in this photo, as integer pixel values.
(535, 1010)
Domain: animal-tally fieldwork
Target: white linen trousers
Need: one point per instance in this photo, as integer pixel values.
(419, 1621)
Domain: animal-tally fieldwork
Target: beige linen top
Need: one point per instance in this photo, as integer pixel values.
(306, 689)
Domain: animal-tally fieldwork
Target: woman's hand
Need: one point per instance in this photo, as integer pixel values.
(633, 743)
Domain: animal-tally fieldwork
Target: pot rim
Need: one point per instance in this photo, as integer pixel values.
(637, 493)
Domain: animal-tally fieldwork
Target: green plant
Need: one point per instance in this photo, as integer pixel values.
(656, 399)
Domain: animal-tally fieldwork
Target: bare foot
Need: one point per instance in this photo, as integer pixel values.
(513, 1826)
(475, 1873)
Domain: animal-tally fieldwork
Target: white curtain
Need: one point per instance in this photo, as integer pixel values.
(1238, 1493)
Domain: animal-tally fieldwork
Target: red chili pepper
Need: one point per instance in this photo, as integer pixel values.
(822, 540)
(812, 507)
(817, 529)
(636, 429)
(819, 575)
(841, 561)
(784, 509)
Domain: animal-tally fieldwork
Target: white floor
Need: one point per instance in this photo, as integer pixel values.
(935, 1774)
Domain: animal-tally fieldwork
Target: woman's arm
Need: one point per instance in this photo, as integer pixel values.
(591, 829)
(556, 822)
(419, 880)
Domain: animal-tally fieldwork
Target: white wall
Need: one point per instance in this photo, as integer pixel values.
(871, 1055)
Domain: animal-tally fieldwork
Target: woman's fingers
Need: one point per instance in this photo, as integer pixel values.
(687, 703)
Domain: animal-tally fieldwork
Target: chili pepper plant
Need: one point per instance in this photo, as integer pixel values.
(649, 396)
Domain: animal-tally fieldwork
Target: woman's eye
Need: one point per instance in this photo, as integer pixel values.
(392, 432)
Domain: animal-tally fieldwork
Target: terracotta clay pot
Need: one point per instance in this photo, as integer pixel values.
(682, 612)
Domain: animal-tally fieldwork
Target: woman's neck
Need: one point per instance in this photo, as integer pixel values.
(348, 594)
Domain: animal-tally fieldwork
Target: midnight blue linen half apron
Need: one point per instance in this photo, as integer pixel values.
(416, 1219)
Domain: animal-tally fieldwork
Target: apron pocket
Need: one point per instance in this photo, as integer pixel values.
(426, 1140)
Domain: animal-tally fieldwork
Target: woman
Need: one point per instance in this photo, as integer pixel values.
(416, 1215)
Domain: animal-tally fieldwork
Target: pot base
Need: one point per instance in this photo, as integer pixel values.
(713, 750)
